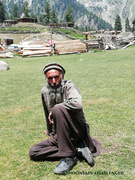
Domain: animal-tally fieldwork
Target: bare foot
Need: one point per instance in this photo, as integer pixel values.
(46, 132)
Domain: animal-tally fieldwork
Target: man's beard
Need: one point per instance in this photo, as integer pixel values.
(56, 94)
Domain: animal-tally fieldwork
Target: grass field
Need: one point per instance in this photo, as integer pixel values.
(106, 81)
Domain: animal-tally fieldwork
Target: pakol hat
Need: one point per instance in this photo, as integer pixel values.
(53, 66)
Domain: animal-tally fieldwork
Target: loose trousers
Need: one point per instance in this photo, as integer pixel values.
(64, 140)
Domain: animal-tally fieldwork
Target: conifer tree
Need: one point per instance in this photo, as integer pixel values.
(47, 13)
(25, 9)
(32, 15)
(127, 26)
(15, 12)
(2, 12)
(68, 14)
(118, 26)
(53, 17)
(42, 18)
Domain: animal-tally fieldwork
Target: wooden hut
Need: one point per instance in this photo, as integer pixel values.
(8, 41)
(27, 19)
(10, 22)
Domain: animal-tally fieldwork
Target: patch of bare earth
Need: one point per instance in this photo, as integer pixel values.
(97, 101)
(16, 111)
(43, 36)
(17, 38)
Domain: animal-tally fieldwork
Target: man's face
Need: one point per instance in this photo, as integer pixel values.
(53, 78)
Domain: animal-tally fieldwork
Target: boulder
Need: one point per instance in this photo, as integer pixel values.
(4, 66)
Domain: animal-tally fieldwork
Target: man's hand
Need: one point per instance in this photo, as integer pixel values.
(50, 122)
(50, 118)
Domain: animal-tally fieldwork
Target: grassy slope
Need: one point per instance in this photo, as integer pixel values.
(106, 82)
(26, 30)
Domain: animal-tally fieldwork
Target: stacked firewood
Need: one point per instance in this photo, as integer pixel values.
(69, 47)
(34, 49)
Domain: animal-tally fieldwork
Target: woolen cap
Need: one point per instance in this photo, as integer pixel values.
(53, 66)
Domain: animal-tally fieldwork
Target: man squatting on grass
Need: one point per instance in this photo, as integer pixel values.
(66, 125)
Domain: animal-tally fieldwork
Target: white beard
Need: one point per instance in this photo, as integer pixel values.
(55, 94)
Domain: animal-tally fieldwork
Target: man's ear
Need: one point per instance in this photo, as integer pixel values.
(45, 77)
(62, 75)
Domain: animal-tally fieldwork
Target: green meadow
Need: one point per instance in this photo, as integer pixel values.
(106, 81)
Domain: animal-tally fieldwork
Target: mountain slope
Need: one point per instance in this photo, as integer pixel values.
(108, 9)
(37, 7)
(105, 9)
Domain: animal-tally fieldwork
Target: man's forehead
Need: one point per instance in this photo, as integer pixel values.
(52, 72)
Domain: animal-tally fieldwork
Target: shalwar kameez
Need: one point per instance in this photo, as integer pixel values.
(69, 126)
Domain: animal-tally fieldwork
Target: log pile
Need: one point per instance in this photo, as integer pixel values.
(37, 53)
(69, 47)
(124, 42)
(35, 49)
(6, 55)
(94, 44)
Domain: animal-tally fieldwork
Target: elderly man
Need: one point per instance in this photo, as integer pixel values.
(66, 125)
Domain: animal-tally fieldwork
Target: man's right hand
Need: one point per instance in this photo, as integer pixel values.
(50, 118)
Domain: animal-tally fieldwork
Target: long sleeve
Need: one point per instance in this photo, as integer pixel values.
(72, 100)
(49, 126)
(72, 97)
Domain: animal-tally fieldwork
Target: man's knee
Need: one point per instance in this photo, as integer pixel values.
(57, 109)
(32, 153)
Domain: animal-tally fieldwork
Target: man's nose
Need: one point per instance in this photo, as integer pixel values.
(53, 80)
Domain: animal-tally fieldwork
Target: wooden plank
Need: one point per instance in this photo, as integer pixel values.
(28, 53)
(6, 55)
(71, 52)
(67, 51)
(69, 45)
(71, 49)
(69, 42)
(37, 49)
(37, 55)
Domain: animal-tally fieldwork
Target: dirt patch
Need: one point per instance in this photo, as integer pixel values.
(97, 101)
(45, 36)
(104, 150)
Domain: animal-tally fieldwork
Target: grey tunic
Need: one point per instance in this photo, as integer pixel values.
(71, 100)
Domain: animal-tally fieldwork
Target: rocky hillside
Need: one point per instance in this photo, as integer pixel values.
(108, 9)
(83, 10)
